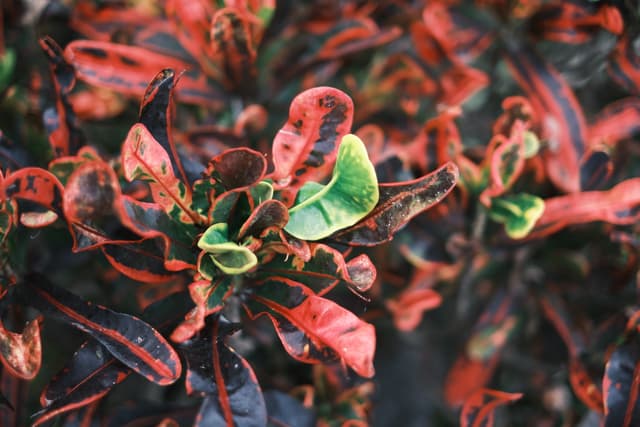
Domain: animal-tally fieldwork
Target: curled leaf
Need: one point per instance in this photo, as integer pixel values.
(21, 354)
(350, 195)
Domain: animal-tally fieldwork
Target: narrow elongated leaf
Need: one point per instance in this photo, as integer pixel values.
(306, 146)
(129, 69)
(144, 158)
(624, 65)
(66, 138)
(92, 371)
(21, 354)
(323, 271)
(233, 46)
(313, 329)
(270, 213)
(617, 121)
(132, 341)
(155, 115)
(237, 168)
(286, 411)
(232, 393)
(620, 385)
(190, 21)
(619, 205)
(398, 204)
(350, 195)
(477, 410)
(559, 114)
(574, 22)
(408, 307)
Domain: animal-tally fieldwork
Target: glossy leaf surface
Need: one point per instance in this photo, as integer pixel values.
(620, 385)
(350, 195)
(314, 329)
(132, 341)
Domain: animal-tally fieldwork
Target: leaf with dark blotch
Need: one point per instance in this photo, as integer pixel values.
(4, 402)
(399, 203)
(92, 374)
(63, 167)
(155, 115)
(313, 329)
(286, 411)
(21, 353)
(323, 271)
(35, 185)
(617, 121)
(275, 240)
(92, 371)
(132, 341)
(142, 260)
(150, 221)
(270, 213)
(209, 297)
(89, 203)
(129, 69)
(144, 158)
(574, 22)
(619, 205)
(559, 113)
(478, 408)
(306, 146)
(232, 393)
(621, 383)
(506, 163)
(233, 46)
(67, 137)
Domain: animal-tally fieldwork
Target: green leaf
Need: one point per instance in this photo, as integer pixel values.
(7, 65)
(228, 256)
(518, 213)
(350, 195)
(531, 144)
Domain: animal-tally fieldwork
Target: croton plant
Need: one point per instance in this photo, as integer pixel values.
(323, 213)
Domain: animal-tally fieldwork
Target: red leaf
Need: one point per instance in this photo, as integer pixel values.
(132, 341)
(314, 329)
(559, 113)
(232, 45)
(408, 307)
(306, 147)
(65, 138)
(21, 354)
(619, 205)
(129, 69)
(477, 410)
(144, 158)
(38, 186)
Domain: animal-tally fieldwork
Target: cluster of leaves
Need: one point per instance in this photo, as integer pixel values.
(198, 155)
